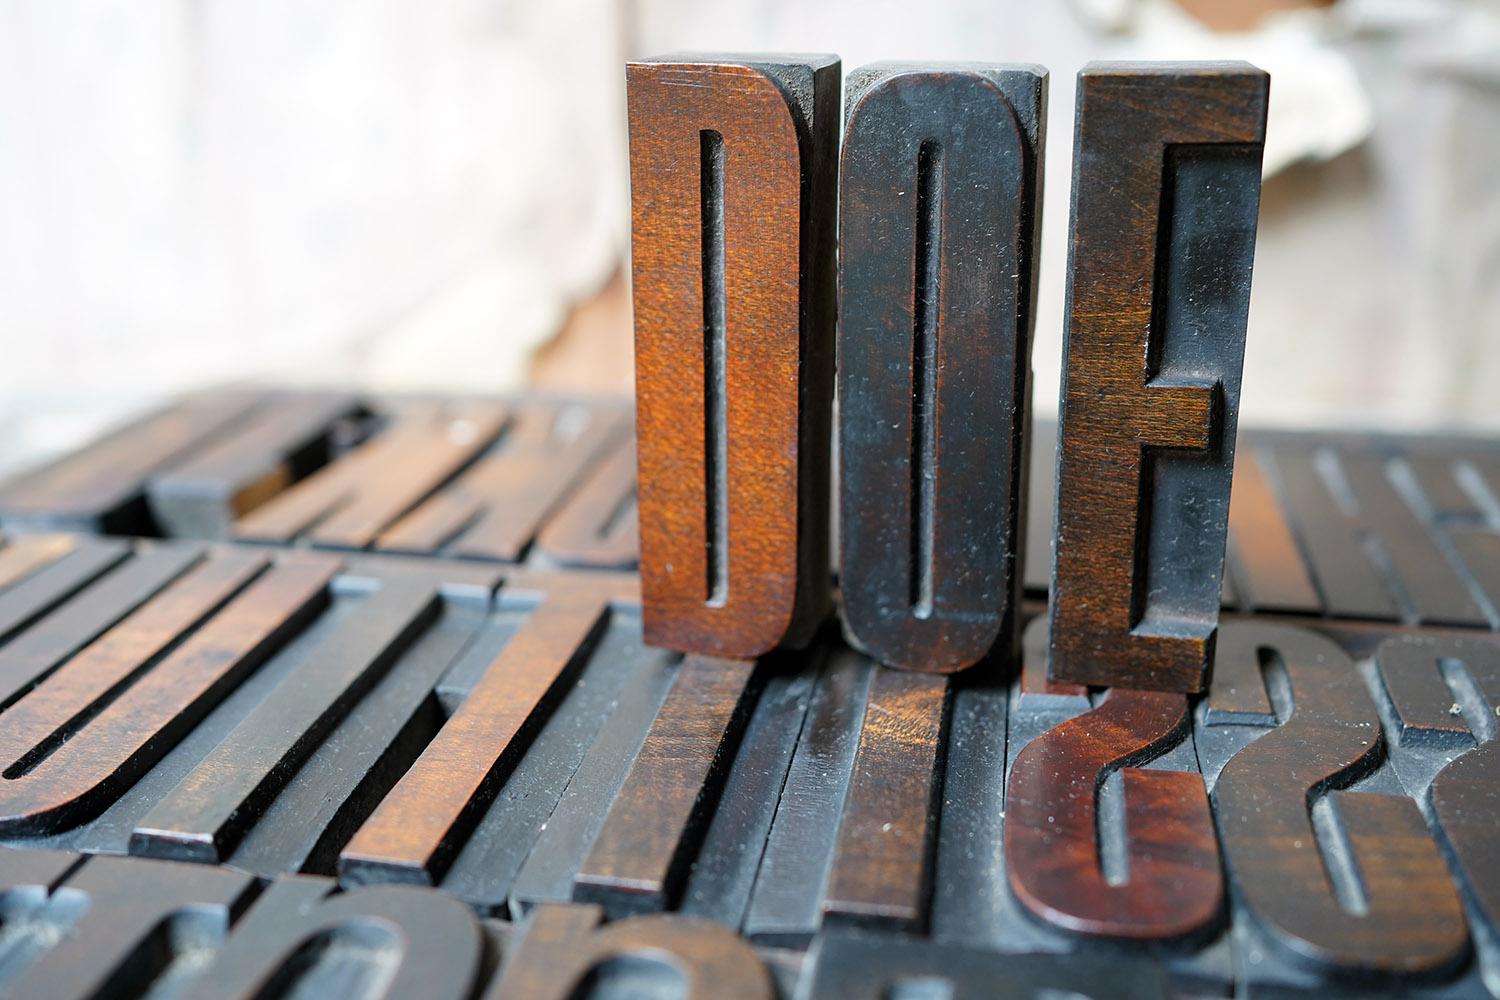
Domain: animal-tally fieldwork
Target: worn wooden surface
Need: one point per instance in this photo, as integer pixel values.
(938, 223)
(732, 173)
(1166, 188)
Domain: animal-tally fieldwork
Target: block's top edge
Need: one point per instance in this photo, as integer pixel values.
(890, 67)
(1214, 67)
(812, 60)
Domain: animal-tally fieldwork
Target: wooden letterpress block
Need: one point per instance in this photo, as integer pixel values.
(1341, 880)
(732, 168)
(1420, 675)
(134, 692)
(563, 945)
(1166, 190)
(938, 225)
(1173, 887)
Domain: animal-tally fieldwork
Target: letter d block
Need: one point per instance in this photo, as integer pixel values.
(732, 178)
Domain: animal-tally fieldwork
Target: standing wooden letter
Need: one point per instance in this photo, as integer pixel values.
(937, 229)
(732, 173)
(1166, 188)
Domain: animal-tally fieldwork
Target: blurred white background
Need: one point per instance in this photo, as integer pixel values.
(433, 193)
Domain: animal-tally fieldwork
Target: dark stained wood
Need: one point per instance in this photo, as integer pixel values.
(861, 965)
(101, 487)
(651, 834)
(118, 945)
(1166, 190)
(26, 554)
(415, 831)
(414, 944)
(786, 905)
(598, 526)
(1412, 921)
(27, 600)
(1265, 563)
(882, 863)
(39, 650)
(732, 170)
(287, 436)
(125, 719)
(1465, 794)
(210, 810)
(1436, 592)
(1173, 887)
(938, 221)
(494, 509)
(1352, 586)
(1479, 550)
(564, 944)
(349, 503)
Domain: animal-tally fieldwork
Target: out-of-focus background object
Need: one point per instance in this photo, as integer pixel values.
(432, 194)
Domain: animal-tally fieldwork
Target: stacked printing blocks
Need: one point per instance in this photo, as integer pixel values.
(329, 694)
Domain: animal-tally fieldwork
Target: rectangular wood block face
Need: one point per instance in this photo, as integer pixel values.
(732, 188)
(938, 223)
(1166, 190)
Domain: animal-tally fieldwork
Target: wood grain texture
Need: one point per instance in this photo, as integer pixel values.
(349, 503)
(96, 724)
(938, 221)
(494, 508)
(564, 945)
(414, 833)
(732, 171)
(1166, 189)
(883, 859)
(640, 860)
(1428, 677)
(598, 526)
(1409, 921)
(1172, 886)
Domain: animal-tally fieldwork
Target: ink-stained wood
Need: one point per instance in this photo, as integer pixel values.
(1451, 687)
(101, 487)
(882, 863)
(938, 222)
(564, 946)
(651, 834)
(38, 593)
(209, 811)
(348, 504)
(118, 944)
(414, 833)
(732, 171)
(1410, 921)
(287, 436)
(598, 526)
(414, 944)
(494, 509)
(1166, 190)
(1172, 886)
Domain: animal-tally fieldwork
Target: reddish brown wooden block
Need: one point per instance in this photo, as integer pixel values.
(1173, 886)
(597, 527)
(882, 863)
(732, 166)
(1166, 190)
(414, 833)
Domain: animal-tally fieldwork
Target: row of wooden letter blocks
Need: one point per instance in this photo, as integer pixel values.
(747, 215)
